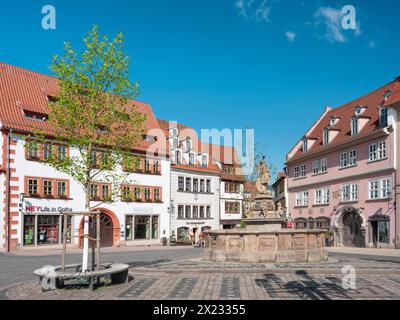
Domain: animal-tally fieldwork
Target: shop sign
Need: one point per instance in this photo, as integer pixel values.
(195, 223)
(45, 209)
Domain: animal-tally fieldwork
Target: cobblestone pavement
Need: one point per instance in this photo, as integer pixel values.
(194, 279)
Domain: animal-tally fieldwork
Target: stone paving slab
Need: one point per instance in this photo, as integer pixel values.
(198, 280)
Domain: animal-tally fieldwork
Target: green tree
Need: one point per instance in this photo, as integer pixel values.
(94, 112)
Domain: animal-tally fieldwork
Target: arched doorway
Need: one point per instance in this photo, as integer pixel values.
(352, 229)
(109, 230)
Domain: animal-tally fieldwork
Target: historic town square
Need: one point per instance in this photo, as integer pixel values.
(199, 151)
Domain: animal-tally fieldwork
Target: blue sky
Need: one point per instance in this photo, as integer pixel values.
(271, 65)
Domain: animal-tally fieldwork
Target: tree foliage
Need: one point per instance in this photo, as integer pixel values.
(93, 109)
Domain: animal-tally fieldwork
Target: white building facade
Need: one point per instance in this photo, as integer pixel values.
(39, 193)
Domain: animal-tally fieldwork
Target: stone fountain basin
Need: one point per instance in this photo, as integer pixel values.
(268, 246)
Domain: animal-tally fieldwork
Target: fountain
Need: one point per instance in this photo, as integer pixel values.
(265, 238)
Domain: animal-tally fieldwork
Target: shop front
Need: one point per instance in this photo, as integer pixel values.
(142, 227)
(44, 229)
(379, 231)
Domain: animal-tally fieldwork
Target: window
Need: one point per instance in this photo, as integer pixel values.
(191, 159)
(47, 151)
(195, 185)
(33, 150)
(303, 171)
(349, 192)
(377, 151)
(343, 160)
(126, 194)
(302, 199)
(147, 165)
(228, 169)
(47, 188)
(61, 152)
(61, 189)
(204, 161)
(352, 157)
(180, 212)
(315, 167)
(195, 212)
(297, 172)
(383, 117)
(208, 189)
(105, 192)
(326, 137)
(232, 207)
(93, 191)
(33, 187)
(354, 126)
(320, 166)
(138, 193)
(142, 227)
(380, 189)
(321, 196)
(147, 194)
(208, 215)
(156, 166)
(374, 189)
(157, 194)
(202, 186)
(202, 212)
(188, 212)
(181, 184)
(188, 144)
(232, 187)
(305, 145)
(188, 187)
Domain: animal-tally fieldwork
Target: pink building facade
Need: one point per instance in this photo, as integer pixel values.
(342, 174)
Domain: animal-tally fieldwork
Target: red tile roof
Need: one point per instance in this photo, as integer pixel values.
(395, 96)
(21, 89)
(372, 102)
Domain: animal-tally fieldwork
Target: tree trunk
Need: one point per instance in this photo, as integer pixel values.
(85, 257)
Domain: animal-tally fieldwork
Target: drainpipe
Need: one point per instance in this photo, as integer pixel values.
(8, 174)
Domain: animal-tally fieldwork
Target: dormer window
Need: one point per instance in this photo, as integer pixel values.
(383, 117)
(359, 110)
(354, 126)
(333, 121)
(204, 161)
(305, 145)
(325, 139)
(36, 115)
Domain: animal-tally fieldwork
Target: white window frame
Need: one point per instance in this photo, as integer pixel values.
(302, 199)
(297, 172)
(303, 171)
(352, 158)
(305, 145)
(325, 137)
(315, 167)
(344, 160)
(377, 151)
(349, 192)
(382, 188)
(322, 196)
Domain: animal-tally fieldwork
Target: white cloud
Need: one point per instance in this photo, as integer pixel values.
(291, 36)
(257, 10)
(332, 20)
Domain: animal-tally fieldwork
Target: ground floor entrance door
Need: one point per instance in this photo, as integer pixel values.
(353, 235)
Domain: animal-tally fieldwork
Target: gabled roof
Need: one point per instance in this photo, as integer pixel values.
(21, 89)
(372, 103)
